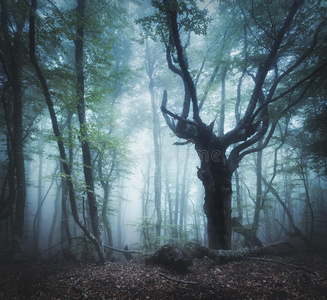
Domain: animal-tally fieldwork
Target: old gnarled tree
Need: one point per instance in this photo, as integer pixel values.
(282, 78)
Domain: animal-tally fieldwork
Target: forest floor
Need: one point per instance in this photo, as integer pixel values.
(241, 279)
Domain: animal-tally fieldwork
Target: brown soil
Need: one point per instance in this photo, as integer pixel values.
(242, 279)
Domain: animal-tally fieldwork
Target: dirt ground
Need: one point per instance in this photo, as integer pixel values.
(300, 276)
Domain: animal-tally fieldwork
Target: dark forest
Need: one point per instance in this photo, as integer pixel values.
(163, 149)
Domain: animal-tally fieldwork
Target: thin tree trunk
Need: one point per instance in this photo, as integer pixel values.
(238, 196)
(106, 186)
(150, 62)
(87, 163)
(39, 199)
(66, 236)
(177, 197)
(145, 214)
(259, 201)
(221, 127)
(309, 214)
(54, 218)
(170, 208)
(238, 203)
(183, 200)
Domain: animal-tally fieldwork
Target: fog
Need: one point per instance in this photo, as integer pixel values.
(121, 127)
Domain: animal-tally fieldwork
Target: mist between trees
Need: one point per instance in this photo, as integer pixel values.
(145, 123)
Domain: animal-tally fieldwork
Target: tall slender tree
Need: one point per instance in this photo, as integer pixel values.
(150, 61)
(87, 162)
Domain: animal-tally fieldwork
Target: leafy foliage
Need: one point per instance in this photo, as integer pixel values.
(191, 18)
(315, 125)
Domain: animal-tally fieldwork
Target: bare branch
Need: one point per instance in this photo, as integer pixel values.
(289, 70)
(182, 63)
(265, 67)
(258, 24)
(178, 280)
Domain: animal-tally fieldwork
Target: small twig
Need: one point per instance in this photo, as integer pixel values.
(77, 289)
(304, 268)
(115, 266)
(177, 280)
(76, 281)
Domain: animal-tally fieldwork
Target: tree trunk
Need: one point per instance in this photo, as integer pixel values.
(221, 127)
(309, 220)
(66, 236)
(12, 50)
(54, 218)
(177, 197)
(217, 208)
(39, 200)
(8, 191)
(106, 186)
(170, 208)
(105, 219)
(150, 64)
(183, 199)
(87, 163)
(259, 202)
(238, 196)
(120, 218)
(217, 182)
(19, 163)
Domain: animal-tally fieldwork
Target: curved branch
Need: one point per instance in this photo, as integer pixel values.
(235, 155)
(166, 112)
(172, 14)
(264, 144)
(170, 62)
(187, 99)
